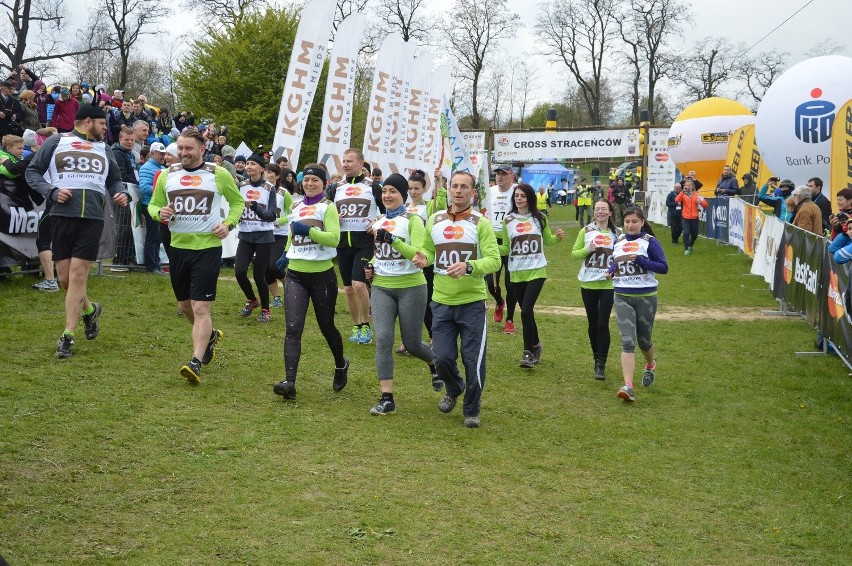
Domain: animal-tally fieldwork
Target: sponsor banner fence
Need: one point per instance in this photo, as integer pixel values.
(601, 144)
(834, 322)
(736, 222)
(766, 251)
(19, 218)
(717, 219)
(797, 271)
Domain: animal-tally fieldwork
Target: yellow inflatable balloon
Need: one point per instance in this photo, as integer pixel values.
(698, 138)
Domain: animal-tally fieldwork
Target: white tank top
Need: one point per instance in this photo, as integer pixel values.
(388, 261)
(526, 246)
(284, 229)
(302, 247)
(596, 264)
(627, 274)
(249, 222)
(499, 205)
(79, 164)
(196, 199)
(454, 241)
(356, 206)
(419, 210)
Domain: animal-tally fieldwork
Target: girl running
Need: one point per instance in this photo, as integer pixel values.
(280, 230)
(594, 246)
(398, 288)
(637, 258)
(525, 233)
(315, 231)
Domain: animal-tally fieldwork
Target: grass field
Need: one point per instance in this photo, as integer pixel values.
(738, 455)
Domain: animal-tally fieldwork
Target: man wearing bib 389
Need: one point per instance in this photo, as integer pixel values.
(81, 171)
(188, 196)
(462, 246)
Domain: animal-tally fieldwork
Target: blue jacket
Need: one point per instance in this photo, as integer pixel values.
(841, 247)
(728, 186)
(146, 179)
(777, 201)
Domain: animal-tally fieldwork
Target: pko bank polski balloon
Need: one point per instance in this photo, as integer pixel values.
(698, 138)
(793, 126)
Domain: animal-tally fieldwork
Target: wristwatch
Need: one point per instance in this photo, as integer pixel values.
(229, 226)
(469, 268)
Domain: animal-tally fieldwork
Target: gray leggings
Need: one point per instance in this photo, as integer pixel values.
(409, 304)
(635, 319)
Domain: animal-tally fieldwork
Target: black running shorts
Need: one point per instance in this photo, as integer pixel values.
(194, 273)
(75, 237)
(351, 262)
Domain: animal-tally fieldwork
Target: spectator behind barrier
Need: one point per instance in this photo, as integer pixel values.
(727, 185)
(807, 215)
(844, 207)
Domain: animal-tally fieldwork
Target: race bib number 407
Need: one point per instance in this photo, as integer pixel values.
(450, 253)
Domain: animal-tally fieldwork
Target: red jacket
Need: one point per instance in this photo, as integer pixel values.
(64, 112)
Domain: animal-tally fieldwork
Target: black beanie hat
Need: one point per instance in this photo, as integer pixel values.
(398, 182)
(257, 159)
(90, 111)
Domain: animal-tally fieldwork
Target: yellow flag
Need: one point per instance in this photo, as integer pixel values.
(744, 157)
(841, 152)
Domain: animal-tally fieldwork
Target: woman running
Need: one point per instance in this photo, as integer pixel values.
(315, 231)
(281, 229)
(594, 246)
(398, 288)
(525, 233)
(637, 258)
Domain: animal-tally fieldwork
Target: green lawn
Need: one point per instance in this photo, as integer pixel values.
(738, 455)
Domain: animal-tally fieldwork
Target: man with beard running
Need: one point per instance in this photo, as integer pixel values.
(188, 195)
(76, 171)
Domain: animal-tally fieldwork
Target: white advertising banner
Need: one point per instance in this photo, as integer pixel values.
(303, 76)
(601, 144)
(474, 142)
(767, 249)
(660, 175)
(736, 223)
(383, 97)
(336, 130)
(455, 153)
(655, 207)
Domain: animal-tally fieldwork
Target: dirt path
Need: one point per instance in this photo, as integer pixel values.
(673, 313)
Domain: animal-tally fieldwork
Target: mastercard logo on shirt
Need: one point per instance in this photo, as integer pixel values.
(307, 211)
(453, 233)
(251, 194)
(190, 181)
(353, 191)
(523, 227)
(631, 247)
(602, 241)
(81, 145)
(388, 225)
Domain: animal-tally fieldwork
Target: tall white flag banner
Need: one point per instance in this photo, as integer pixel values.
(336, 130)
(524, 146)
(418, 87)
(441, 85)
(303, 75)
(474, 142)
(380, 108)
(456, 157)
(660, 175)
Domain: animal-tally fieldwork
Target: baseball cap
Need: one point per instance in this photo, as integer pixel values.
(157, 146)
(504, 168)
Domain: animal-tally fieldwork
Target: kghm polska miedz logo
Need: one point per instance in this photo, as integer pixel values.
(814, 119)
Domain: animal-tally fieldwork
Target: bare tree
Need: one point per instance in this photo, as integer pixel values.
(578, 34)
(47, 20)
(825, 47)
(527, 78)
(761, 71)
(631, 54)
(711, 66)
(224, 12)
(406, 17)
(346, 7)
(130, 19)
(474, 30)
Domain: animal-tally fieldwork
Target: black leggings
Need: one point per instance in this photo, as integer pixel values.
(260, 252)
(429, 273)
(274, 255)
(527, 293)
(493, 282)
(321, 290)
(598, 303)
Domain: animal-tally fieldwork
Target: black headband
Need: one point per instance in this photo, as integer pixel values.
(316, 172)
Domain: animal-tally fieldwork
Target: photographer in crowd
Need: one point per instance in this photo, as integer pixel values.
(844, 205)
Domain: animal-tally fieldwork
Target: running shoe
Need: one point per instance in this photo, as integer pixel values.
(498, 312)
(265, 315)
(341, 376)
(401, 351)
(447, 404)
(90, 321)
(527, 360)
(649, 375)
(212, 345)
(287, 389)
(384, 407)
(192, 371)
(249, 307)
(626, 393)
(63, 346)
(276, 302)
(437, 382)
(365, 335)
(600, 370)
(471, 422)
(46, 285)
(509, 328)
(536, 352)
(355, 332)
